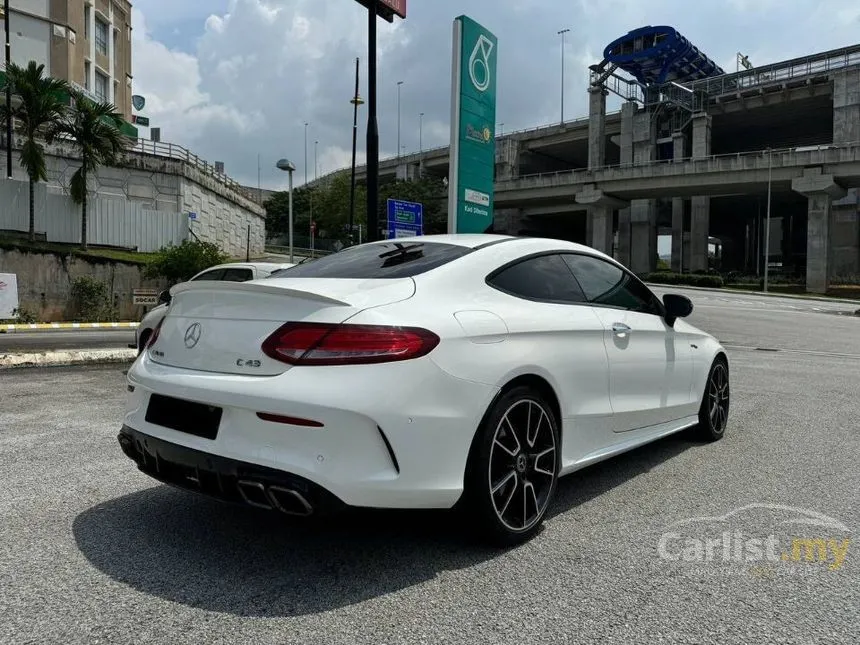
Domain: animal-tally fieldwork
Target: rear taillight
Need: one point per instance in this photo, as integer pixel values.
(333, 344)
(154, 336)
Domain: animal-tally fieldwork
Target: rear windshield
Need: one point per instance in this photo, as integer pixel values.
(387, 260)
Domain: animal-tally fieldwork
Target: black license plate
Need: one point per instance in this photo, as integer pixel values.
(198, 419)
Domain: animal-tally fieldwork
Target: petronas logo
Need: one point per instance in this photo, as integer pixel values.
(479, 64)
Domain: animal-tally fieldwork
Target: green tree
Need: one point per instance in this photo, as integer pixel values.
(428, 191)
(95, 128)
(41, 106)
(180, 263)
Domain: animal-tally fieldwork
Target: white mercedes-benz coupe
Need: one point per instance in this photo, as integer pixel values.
(467, 371)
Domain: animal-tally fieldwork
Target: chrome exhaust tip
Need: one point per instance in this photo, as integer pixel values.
(289, 501)
(254, 494)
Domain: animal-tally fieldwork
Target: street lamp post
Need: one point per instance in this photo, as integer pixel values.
(8, 92)
(562, 33)
(316, 160)
(399, 85)
(306, 153)
(421, 145)
(767, 218)
(289, 167)
(356, 101)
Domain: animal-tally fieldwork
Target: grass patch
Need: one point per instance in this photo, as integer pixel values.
(95, 255)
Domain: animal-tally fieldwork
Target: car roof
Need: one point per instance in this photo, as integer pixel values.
(259, 265)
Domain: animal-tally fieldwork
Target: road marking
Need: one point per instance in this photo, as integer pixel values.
(50, 326)
(781, 350)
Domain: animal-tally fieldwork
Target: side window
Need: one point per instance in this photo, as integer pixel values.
(215, 274)
(237, 275)
(606, 284)
(545, 277)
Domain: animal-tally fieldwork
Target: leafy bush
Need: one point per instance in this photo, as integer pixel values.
(25, 316)
(180, 263)
(91, 300)
(20, 316)
(691, 279)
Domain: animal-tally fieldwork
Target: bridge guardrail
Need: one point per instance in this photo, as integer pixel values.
(826, 153)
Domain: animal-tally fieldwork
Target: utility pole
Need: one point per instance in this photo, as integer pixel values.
(8, 92)
(399, 85)
(356, 101)
(767, 220)
(562, 33)
(316, 160)
(372, 127)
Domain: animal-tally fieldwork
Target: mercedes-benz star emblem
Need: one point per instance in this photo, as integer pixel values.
(192, 335)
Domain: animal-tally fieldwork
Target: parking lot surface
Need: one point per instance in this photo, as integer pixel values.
(93, 551)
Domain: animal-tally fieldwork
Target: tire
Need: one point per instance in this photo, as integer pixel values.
(714, 411)
(144, 339)
(519, 458)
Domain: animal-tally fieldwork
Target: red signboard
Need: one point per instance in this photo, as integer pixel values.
(387, 9)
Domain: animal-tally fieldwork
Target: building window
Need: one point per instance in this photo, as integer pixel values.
(101, 37)
(87, 75)
(101, 89)
(87, 33)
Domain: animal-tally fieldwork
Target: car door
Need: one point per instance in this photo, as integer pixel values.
(554, 332)
(650, 365)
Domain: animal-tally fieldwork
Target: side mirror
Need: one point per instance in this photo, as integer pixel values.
(164, 297)
(676, 306)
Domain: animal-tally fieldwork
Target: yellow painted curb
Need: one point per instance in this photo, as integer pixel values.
(50, 326)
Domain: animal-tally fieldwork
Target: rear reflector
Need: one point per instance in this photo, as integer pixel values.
(292, 421)
(333, 344)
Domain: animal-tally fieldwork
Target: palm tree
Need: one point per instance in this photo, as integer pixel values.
(39, 108)
(95, 129)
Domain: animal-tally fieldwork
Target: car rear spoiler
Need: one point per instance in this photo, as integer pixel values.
(256, 287)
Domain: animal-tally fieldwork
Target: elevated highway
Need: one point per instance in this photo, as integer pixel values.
(714, 175)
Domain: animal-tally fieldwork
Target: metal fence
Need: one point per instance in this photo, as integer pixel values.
(173, 151)
(110, 222)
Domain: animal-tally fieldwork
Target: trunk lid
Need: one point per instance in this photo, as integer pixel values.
(221, 326)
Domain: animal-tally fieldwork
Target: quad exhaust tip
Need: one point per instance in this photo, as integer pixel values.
(285, 500)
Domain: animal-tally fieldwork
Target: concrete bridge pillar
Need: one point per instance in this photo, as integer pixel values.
(597, 127)
(700, 207)
(507, 159)
(601, 210)
(643, 212)
(846, 106)
(628, 111)
(679, 145)
(820, 190)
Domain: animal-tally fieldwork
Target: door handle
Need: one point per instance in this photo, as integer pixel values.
(620, 329)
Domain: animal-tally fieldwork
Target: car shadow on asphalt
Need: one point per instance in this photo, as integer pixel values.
(186, 548)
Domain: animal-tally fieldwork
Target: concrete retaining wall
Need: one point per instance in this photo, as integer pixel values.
(45, 282)
(164, 184)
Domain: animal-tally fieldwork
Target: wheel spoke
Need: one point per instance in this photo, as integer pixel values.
(541, 455)
(504, 509)
(529, 487)
(504, 480)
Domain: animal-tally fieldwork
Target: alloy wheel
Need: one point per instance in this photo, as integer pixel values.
(522, 465)
(718, 399)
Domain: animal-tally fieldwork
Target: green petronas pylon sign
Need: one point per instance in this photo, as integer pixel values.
(473, 120)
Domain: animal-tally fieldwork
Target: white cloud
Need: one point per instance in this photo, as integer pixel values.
(256, 70)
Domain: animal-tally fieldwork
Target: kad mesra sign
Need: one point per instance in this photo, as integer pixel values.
(387, 9)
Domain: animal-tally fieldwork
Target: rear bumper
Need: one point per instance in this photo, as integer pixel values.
(390, 436)
(228, 480)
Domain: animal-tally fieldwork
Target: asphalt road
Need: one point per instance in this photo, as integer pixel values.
(92, 551)
(39, 341)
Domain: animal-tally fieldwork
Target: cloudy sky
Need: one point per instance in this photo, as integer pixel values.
(234, 79)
